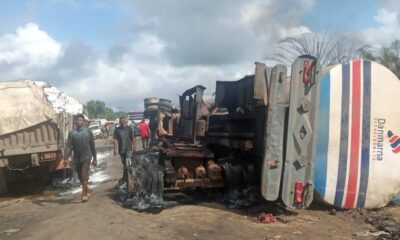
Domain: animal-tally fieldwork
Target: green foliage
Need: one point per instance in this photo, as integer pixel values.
(109, 114)
(388, 56)
(95, 108)
(98, 109)
(120, 114)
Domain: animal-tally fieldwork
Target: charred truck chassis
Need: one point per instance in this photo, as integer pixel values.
(257, 138)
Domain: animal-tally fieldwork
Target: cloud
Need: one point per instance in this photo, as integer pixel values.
(76, 61)
(28, 48)
(122, 79)
(390, 4)
(169, 47)
(388, 18)
(217, 32)
(138, 74)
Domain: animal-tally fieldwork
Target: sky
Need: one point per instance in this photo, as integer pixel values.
(123, 51)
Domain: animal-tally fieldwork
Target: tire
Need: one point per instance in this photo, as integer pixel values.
(3, 181)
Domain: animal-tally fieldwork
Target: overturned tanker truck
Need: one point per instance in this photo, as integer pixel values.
(319, 134)
(254, 137)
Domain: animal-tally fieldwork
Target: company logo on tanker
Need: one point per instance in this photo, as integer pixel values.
(378, 138)
(394, 142)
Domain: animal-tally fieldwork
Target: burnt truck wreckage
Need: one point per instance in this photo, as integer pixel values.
(254, 136)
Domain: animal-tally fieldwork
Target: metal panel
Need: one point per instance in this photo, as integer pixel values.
(191, 103)
(274, 135)
(260, 85)
(298, 185)
(244, 131)
(235, 94)
(38, 138)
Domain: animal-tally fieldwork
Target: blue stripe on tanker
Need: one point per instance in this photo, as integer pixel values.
(344, 136)
(365, 156)
(323, 136)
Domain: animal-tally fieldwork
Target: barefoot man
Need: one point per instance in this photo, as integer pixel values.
(81, 142)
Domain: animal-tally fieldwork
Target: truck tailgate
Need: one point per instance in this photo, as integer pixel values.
(39, 138)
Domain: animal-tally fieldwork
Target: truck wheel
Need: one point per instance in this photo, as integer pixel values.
(3, 181)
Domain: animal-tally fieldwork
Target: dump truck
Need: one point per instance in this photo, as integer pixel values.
(35, 119)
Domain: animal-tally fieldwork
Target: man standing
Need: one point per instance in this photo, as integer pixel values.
(124, 144)
(81, 142)
(144, 134)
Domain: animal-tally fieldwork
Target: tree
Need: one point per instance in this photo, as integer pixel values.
(109, 114)
(388, 56)
(329, 48)
(120, 114)
(96, 108)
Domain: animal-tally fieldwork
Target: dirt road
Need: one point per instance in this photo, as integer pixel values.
(50, 216)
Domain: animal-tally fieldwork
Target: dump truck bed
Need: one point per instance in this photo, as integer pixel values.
(42, 137)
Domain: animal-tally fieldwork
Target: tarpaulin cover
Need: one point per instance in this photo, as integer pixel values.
(24, 104)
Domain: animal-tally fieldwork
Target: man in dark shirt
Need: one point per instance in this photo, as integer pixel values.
(124, 144)
(81, 142)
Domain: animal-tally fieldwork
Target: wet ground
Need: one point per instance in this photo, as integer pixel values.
(60, 215)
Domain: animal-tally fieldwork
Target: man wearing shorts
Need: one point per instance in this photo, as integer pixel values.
(81, 142)
(124, 144)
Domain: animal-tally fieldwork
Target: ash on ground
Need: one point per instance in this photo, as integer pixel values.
(387, 224)
(147, 177)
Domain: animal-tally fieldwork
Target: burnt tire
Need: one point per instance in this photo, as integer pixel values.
(130, 187)
(3, 181)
